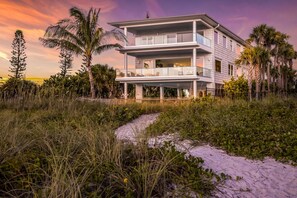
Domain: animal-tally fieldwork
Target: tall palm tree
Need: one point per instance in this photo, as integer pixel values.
(82, 35)
(280, 41)
(263, 36)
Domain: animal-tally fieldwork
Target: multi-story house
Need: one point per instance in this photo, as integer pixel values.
(193, 53)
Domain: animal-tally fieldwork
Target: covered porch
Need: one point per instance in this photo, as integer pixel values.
(178, 89)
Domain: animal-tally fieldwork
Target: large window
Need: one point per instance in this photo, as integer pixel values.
(230, 70)
(224, 41)
(216, 37)
(173, 62)
(200, 61)
(218, 65)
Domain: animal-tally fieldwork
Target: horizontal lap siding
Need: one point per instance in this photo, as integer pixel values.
(226, 56)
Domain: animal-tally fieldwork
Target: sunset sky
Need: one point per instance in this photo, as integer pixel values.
(34, 16)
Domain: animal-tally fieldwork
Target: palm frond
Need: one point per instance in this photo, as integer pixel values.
(103, 48)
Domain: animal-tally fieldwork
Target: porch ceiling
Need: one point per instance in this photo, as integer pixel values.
(160, 52)
(162, 28)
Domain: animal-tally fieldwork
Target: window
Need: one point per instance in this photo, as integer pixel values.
(224, 41)
(231, 45)
(216, 37)
(230, 70)
(218, 65)
(237, 49)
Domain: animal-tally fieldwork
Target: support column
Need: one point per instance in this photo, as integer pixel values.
(194, 88)
(139, 91)
(161, 93)
(194, 61)
(194, 50)
(126, 35)
(126, 64)
(125, 91)
(194, 32)
(179, 93)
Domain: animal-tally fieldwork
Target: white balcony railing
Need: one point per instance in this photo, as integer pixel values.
(166, 71)
(171, 39)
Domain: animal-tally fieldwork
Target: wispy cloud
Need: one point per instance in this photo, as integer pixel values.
(3, 56)
(33, 17)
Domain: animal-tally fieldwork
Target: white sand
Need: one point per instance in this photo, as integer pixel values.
(250, 178)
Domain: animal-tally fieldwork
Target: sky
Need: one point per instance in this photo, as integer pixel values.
(34, 16)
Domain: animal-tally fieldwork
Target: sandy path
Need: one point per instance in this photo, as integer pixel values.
(250, 178)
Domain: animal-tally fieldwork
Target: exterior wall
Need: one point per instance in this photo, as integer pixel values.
(226, 56)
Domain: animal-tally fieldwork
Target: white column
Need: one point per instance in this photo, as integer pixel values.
(161, 93)
(194, 32)
(194, 61)
(125, 91)
(138, 92)
(126, 64)
(126, 34)
(194, 88)
(179, 93)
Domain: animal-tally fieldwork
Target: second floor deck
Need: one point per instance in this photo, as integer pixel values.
(164, 73)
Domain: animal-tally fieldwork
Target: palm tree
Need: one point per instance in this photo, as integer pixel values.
(263, 36)
(82, 35)
(280, 41)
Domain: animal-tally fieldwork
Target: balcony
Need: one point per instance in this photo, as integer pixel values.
(171, 39)
(166, 72)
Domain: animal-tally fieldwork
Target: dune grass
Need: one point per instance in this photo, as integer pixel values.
(67, 148)
(251, 129)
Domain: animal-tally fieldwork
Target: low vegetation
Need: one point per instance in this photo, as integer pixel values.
(251, 129)
(64, 148)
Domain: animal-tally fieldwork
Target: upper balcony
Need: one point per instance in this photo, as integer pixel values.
(172, 38)
(174, 35)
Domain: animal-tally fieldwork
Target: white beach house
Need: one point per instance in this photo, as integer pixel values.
(193, 53)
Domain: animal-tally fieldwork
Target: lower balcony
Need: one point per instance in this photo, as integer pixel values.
(166, 72)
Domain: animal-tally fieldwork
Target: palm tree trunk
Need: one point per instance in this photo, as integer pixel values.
(263, 80)
(268, 78)
(250, 76)
(279, 79)
(91, 77)
(258, 81)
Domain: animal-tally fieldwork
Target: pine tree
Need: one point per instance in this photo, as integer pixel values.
(66, 60)
(18, 59)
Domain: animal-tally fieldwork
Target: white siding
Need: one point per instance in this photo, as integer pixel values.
(227, 56)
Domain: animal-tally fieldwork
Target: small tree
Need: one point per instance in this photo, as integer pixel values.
(18, 59)
(237, 88)
(66, 60)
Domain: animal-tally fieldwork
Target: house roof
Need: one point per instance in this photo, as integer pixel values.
(204, 17)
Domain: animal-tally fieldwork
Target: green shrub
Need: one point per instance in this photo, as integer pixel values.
(236, 88)
(79, 85)
(254, 130)
(15, 87)
(67, 148)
